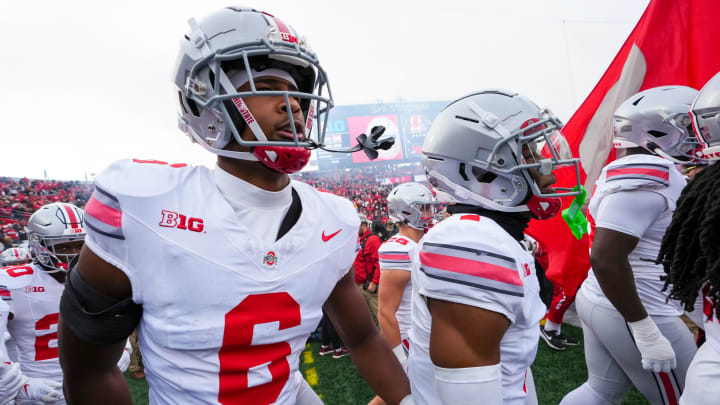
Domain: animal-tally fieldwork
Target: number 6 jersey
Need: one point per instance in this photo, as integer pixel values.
(225, 314)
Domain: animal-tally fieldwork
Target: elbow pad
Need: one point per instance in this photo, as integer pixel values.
(471, 385)
(95, 317)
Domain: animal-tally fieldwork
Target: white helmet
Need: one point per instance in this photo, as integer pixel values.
(705, 114)
(658, 121)
(406, 202)
(15, 255)
(52, 225)
(234, 46)
(473, 153)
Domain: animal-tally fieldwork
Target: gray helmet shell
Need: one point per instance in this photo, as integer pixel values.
(51, 225)
(705, 114)
(405, 203)
(472, 153)
(658, 120)
(239, 37)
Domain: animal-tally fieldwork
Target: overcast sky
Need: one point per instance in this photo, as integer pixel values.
(86, 83)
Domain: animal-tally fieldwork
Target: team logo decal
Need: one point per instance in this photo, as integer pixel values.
(270, 259)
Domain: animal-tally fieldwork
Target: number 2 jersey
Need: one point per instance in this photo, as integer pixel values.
(34, 300)
(469, 259)
(225, 314)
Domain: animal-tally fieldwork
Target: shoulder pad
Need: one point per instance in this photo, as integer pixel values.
(339, 207)
(629, 175)
(141, 178)
(14, 277)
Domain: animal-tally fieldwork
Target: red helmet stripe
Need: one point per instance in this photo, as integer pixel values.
(73, 218)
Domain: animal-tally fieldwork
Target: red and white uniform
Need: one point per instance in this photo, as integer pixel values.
(656, 184)
(4, 312)
(704, 372)
(35, 305)
(471, 260)
(225, 313)
(400, 253)
(635, 195)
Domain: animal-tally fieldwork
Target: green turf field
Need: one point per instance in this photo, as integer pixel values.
(337, 381)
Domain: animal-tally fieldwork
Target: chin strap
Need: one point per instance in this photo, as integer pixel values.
(544, 207)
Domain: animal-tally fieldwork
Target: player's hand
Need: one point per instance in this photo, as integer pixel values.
(656, 351)
(11, 380)
(372, 287)
(40, 389)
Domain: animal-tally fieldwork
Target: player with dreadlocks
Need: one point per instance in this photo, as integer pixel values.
(690, 253)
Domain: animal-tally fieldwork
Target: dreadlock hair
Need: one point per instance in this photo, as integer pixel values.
(690, 251)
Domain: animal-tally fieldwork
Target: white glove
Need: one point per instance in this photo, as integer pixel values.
(124, 361)
(11, 380)
(40, 389)
(656, 351)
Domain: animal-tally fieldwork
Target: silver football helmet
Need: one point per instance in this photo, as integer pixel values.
(473, 153)
(234, 46)
(51, 227)
(658, 121)
(15, 255)
(705, 114)
(412, 204)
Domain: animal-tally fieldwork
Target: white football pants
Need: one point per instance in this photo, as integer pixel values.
(702, 383)
(614, 363)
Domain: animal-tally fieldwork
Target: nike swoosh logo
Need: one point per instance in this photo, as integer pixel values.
(326, 238)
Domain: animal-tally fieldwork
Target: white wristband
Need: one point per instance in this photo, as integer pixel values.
(644, 328)
(399, 352)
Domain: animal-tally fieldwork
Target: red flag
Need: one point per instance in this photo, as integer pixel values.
(674, 43)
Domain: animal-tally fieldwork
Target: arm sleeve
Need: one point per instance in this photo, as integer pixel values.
(630, 212)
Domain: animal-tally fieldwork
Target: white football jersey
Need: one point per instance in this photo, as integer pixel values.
(400, 253)
(225, 314)
(711, 323)
(471, 260)
(644, 173)
(35, 305)
(4, 312)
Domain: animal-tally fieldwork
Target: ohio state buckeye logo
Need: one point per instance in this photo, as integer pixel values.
(270, 259)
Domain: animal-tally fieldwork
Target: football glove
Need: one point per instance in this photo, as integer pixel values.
(11, 380)
(656, 351)
(40, 389)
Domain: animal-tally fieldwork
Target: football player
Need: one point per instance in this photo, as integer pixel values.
(11, 380)
(13, 256)
(225, 272)
(633, 334)
(690, 253)
(476, 304)
(56, 232)
(411, 206)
